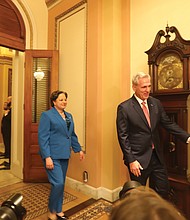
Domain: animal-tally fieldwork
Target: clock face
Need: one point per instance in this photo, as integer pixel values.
(170, 72)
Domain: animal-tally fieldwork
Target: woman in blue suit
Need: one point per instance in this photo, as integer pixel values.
(56, 137)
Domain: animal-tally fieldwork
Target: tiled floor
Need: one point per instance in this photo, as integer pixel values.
(8, 179)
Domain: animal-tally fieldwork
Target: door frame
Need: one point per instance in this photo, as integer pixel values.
(33, 170)
(17, 124)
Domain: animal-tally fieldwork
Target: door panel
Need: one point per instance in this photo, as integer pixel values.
(36, 100)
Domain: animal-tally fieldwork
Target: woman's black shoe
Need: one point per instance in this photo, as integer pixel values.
(64, 217)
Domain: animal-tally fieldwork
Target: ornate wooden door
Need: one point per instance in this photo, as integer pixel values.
(36, 100)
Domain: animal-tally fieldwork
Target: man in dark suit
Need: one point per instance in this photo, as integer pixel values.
(138, 135)
(6, 133)
(6, 129)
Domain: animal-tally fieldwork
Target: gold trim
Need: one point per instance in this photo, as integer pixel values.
(51, 3)
(62, 15)
(6, 60)
(57, 19)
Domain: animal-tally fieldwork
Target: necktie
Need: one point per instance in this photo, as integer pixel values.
(145, 110)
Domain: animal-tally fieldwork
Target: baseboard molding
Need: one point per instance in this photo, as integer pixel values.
(96, 193)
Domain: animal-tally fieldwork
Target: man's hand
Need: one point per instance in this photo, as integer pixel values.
(135, 168)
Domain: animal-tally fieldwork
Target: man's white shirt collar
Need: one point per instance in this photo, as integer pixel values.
(140, 100)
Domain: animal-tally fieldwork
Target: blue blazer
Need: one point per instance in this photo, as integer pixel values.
(54, 138)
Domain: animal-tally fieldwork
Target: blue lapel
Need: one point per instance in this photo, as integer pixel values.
(71, 120)
(60, 119)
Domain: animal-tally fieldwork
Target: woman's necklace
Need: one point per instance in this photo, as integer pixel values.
(62, 115)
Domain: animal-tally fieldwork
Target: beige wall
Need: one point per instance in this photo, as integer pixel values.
(150, 16)
(115, 19)
(71, 43)
(107, 70)
(118, 34)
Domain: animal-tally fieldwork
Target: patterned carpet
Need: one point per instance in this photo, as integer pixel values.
(37, 197)
(94, 211)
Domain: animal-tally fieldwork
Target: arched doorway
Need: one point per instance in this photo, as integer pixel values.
(12, 28)
(25, 160)
(12, 42)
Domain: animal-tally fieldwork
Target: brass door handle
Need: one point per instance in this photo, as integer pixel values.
(171, 146)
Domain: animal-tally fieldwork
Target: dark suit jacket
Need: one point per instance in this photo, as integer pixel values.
(54, 138)
(6, 132)
(134, 134)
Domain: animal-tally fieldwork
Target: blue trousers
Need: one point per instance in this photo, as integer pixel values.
(57, 178)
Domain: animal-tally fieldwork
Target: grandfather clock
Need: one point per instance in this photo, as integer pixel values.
(169, 67)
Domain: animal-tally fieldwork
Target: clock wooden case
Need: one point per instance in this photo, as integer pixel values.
(169, 62)
(169, 67)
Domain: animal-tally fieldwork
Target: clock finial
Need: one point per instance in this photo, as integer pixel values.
(167, 29)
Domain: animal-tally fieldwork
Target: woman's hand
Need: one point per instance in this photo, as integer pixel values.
(49, 163)
(81, 155)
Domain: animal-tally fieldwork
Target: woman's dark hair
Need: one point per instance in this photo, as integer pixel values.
(54, 95)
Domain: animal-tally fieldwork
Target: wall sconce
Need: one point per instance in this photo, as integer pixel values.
(39, 74)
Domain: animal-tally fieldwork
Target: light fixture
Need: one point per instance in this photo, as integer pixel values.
(39, 74)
